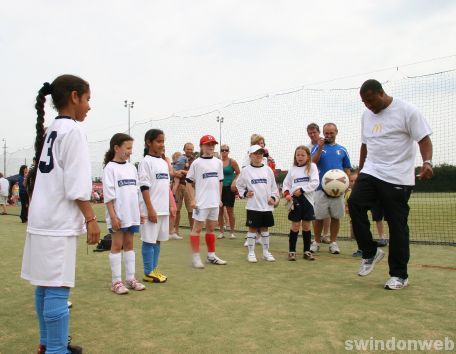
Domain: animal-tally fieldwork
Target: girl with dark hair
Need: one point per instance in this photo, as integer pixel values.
(23, 195)
(60, 208)
(154, 182)
(120, 190)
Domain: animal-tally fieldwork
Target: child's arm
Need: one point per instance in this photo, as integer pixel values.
(287, 186)
(237, 171)
(191, 194)
(115, 221)
(93, 230)
(314, 180)
(151, 213)
(241, 186)
(274, 198)
(172, 204)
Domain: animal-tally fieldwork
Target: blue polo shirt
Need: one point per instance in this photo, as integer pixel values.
(332, 157)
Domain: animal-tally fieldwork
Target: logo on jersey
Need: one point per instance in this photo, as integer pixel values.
(301, 179)
(210, 174)
(161, 176)
(377, 128)
(259, 180)
(126, 182)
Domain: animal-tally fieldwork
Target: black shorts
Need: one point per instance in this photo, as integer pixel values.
(377, 212)
(259, 219)
(302, 210)
(228, 197)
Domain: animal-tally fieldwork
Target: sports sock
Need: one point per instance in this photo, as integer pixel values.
(293, 238)
(156, 255)
(147, 251)
(307, 236)
(265, 240)
(129, 260)
(251, 242)
(39, 306)
(195, 243)
(115, 259)
(210, 243)
(56, 316)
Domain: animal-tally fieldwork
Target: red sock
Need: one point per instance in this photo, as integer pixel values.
(195, 243)
(210, 242)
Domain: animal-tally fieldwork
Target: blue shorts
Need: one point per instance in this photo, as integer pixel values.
(133, 229)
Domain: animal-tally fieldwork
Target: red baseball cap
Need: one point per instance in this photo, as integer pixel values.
(208, 139)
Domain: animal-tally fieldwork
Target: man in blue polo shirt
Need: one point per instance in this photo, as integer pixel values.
(328, 155)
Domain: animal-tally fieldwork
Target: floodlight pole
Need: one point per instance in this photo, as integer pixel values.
(129, 106)
(4, 157)
(220, 121)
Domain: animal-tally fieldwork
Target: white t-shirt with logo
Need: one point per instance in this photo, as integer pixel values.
(390, 137)
(298, 178)
(261, 181)
(121, 187)
(154, 173)
(207, 174)
(63, 176)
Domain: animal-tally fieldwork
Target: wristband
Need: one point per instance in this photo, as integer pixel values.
(93, 218)
(429, 162)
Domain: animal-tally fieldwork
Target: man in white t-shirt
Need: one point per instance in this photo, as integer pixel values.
(389, 129)
(4, 191)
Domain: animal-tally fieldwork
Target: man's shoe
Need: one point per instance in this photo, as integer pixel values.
(367, 265)
(333, 248)
(358, 253)
(314, 247)
(382, 242)
(396, 283)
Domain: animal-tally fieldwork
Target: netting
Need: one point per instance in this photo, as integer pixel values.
(282, 119)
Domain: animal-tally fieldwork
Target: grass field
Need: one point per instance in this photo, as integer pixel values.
(281, 307)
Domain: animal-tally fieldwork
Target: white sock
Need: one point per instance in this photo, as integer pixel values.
(265, 240)
(251, 242)
(210, 255)
(115, 259)
(129, 260)
(196, 256)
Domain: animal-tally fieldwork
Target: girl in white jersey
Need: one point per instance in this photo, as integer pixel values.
(298, 188)
(63, 174)
(120, 191)
(206, 175)
(154, 181)
(257, 183)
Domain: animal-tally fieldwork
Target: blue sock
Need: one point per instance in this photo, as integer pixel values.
(147, 250)
(39, 305)
(156, 254)
(56, 316)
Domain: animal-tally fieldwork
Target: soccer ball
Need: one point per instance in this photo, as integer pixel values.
(335, 183)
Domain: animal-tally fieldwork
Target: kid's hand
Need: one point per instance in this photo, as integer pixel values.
(271, 201)
(249, 194)
(142, 219)
(152, 216)
(288, 197)
(233, 188)
(93, 233)
(115, 224)
(297, 192)
(220, 204)
(193, 204)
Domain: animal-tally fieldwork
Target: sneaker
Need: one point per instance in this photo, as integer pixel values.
(175, 236)
(118, 288)
(222, 235)
(41, 349)
(232, 236)
(367, 265)
(246, 243)
(216, 260)
(292, 256)
(258, 241)
(268, 257)
(69, 304)
(196, 262)
(396, 283)
(308, 256)
(382, 242)
(358, 253)
(251, 258)
(155, 277)
(333, 248)
(326, 239)
(133, 284)
(314, 247)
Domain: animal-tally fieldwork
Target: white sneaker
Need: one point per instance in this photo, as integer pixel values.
(396, 283)
(133, 284)
(268, 257)
(174, 236)
(196, 262)
(221, 236)
(216, 260)
(314, 247)
(251, 258)
(232, 236)
(246, 243)
(118, 288)
(367, 265)
(333, 248)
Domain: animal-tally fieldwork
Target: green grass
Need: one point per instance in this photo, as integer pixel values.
(281, 307)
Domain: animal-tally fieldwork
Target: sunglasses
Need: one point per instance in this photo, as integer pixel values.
(224, 150)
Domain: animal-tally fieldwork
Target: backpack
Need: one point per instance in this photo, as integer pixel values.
(104, 244)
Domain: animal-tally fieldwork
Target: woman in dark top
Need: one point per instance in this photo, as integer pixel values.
(23, 195)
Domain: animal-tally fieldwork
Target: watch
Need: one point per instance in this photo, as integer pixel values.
(428, 162)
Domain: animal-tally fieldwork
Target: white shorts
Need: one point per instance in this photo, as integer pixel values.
(49, 260)
(326, 207)
(206, 214)
(151, 232)
(3, 200)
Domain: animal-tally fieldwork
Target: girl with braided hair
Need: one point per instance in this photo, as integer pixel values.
(59, 209)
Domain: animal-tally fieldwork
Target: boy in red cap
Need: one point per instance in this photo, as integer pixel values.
(206, 176)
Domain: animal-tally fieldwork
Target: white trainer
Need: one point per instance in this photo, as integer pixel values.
(314, 247)
(118, 288)
(216, 260)
(333, 248)
(222, 235)
(251, 258)
(367, 265)
(196, 262)
(175, 236)
(268, 257)
(396, 283)
(232, 236)
(133, 284)
(246, 243)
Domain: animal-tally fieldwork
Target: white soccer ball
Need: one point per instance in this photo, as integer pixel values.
(335, 183)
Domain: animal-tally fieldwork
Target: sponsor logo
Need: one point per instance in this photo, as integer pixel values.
(259, 180)
(126, 182)
(301, 179)
(377, 128)
(161, 176)
(210, 174)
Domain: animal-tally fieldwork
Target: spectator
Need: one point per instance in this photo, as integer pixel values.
(23, 195)
(4, 191)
